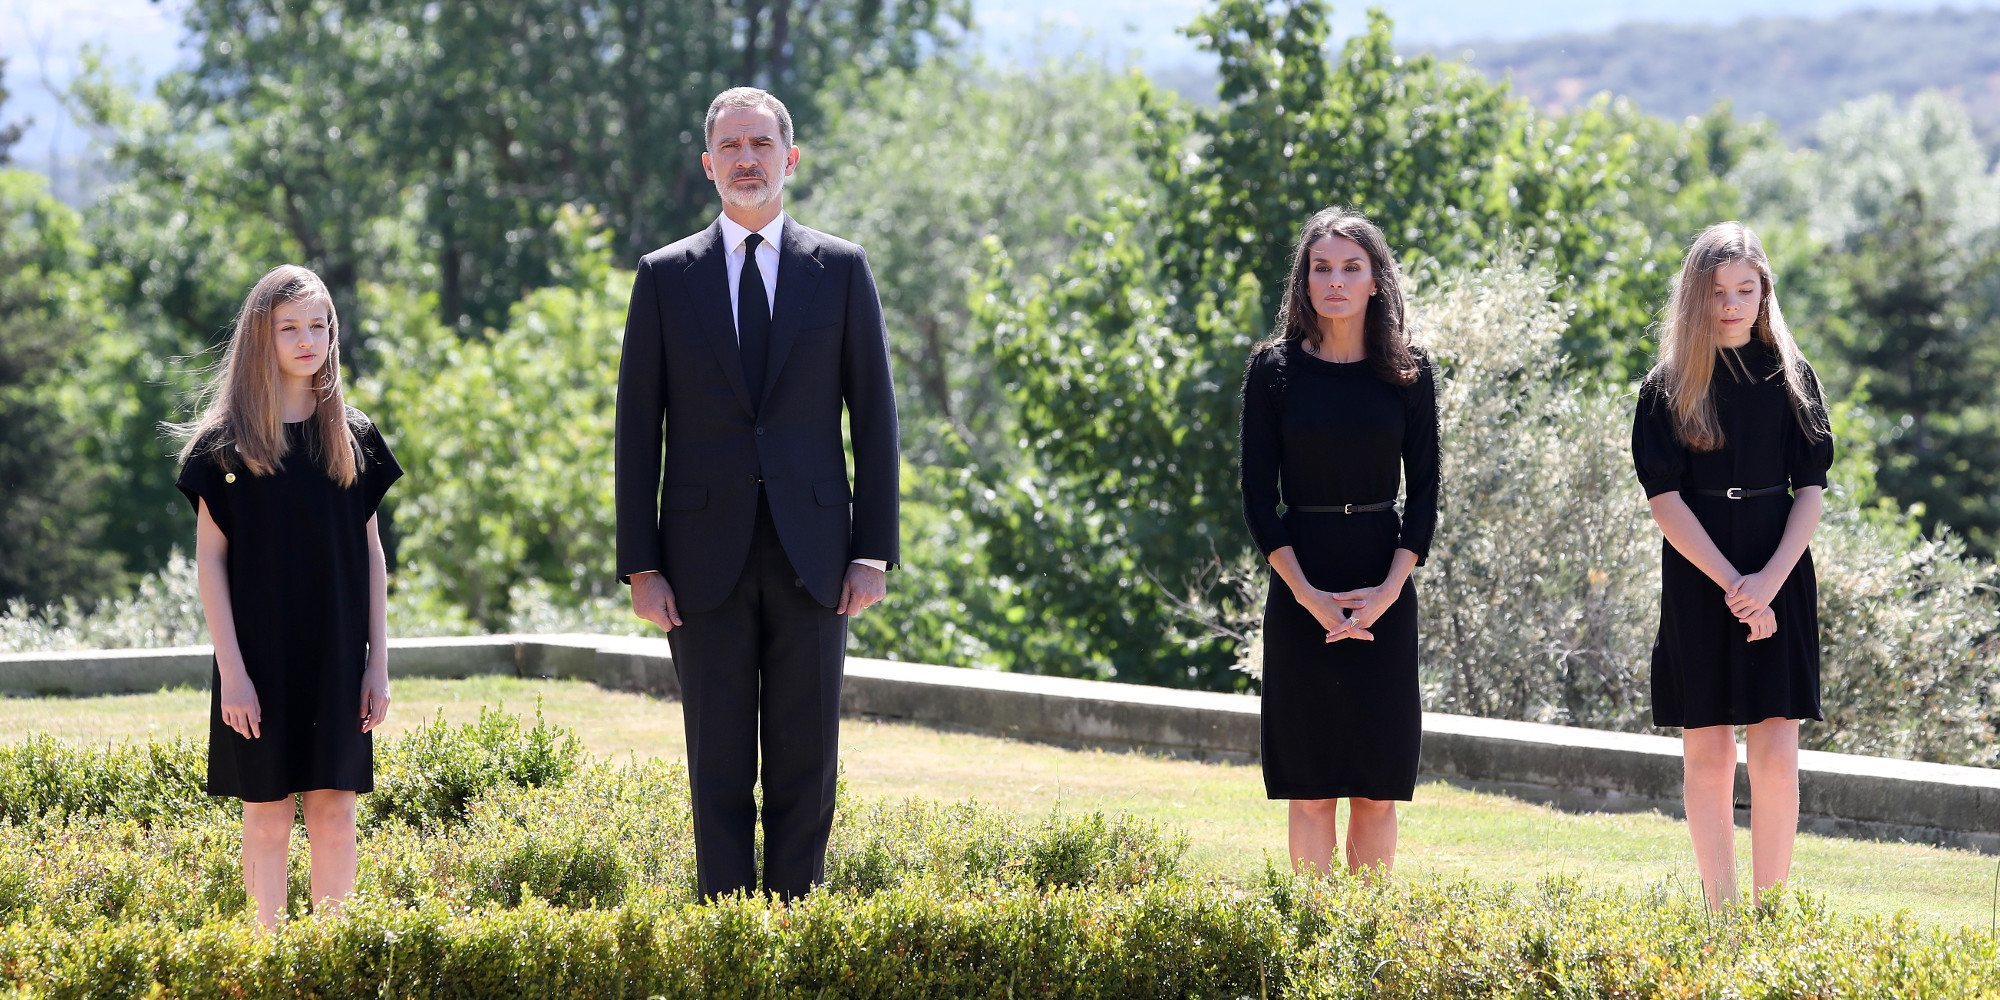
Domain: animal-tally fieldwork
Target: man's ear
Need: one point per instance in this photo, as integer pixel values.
(707, 166)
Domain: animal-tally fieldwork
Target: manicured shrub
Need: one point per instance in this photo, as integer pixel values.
(43, 777)
(511, 814)
(1293, 937)
(884, 844)
(1557, 939)
(433, 772)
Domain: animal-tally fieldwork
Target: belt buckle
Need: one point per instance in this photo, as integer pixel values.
(1733, 493)
(1347, 509)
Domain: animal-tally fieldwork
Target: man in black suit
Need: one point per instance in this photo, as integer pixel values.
(742, 344)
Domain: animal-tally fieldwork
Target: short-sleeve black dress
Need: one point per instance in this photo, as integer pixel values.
(1706, 672)
(298, 587)
(1341, 719)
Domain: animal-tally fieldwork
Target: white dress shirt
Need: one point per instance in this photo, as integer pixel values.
(733, 235)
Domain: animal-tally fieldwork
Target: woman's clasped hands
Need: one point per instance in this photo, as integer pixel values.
(1349, 614)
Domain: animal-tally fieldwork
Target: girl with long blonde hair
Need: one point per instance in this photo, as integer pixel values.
(285, 479)
(1731, 444)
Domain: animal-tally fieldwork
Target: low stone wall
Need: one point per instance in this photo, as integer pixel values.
(1579, 769)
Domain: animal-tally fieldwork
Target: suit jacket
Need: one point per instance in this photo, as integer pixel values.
(692, 444)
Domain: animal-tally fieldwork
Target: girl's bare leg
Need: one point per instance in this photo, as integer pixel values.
(267, 843)
(1774, 799)
(1709, 788)
(330, 832)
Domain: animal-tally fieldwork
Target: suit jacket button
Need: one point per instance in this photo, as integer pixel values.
(760, 432)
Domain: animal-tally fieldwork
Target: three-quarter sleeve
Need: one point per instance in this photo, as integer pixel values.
(1260, 444)
(1420, 460)
(1807, 460)
(380, 470)
(203, 479)
(1658, 455)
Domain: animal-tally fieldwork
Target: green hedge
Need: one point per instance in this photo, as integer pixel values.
(1341, 938)
(1161, 941)
(506, 862)
(490, 813)
(426, 777)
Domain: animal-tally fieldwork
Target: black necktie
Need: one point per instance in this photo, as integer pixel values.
(753, 319)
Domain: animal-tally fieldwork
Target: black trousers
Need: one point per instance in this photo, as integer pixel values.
(769, 654)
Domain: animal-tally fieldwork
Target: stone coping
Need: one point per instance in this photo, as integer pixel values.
(1569, 767)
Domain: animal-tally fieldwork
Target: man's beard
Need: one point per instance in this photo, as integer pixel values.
(752, 197)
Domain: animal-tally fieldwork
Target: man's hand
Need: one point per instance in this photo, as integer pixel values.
(653, 600)
(864, 585)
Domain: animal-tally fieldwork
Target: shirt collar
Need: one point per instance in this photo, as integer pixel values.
(733, 232)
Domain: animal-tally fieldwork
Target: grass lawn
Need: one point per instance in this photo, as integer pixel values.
(1232, 828)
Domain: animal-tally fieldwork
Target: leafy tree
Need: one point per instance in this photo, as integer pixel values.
(1930, 344)
(418, 146)
(928, 169)
(483, 119)
(507, 436)
(923, 167)
(1447, 161)
(1123, 364)
(9, 134)
(48, 299)
(1900, 212)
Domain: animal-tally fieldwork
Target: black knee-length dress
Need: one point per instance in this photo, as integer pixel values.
(298, 590)
(1706, 672)
(1341, 719)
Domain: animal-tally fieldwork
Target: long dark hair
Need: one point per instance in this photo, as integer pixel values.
(1383, 335)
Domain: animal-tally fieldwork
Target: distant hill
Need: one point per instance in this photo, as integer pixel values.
(1788, 69)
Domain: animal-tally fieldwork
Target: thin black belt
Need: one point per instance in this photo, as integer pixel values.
(1739, 493)
(1345, 508)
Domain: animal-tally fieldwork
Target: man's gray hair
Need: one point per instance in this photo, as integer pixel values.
(746, 97)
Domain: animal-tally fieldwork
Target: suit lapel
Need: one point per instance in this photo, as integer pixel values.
(799, 273)
(708, 287)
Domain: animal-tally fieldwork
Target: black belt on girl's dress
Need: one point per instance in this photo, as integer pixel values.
(1344, 508)
(1739, 493)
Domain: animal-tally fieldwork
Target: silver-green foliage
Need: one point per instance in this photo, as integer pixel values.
(1870, 154)
(164, 610)
(1545, 559)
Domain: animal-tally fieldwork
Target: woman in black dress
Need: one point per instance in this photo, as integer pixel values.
(1732, 446)
(1338, 411)
(285, 480)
